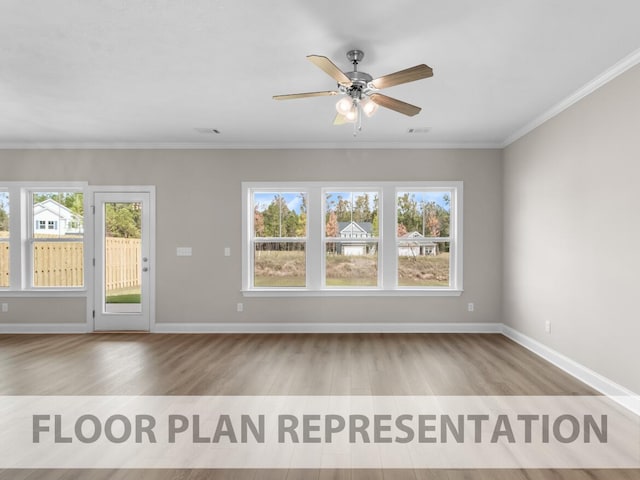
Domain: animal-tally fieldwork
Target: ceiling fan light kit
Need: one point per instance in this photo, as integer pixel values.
(360, 90)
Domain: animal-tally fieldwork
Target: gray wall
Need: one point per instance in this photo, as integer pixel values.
(198, 205)
(572, 232)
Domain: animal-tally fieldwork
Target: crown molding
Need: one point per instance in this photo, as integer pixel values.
(250, 146)
(619, 68)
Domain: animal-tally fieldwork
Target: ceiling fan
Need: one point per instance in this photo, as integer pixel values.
(360, 89)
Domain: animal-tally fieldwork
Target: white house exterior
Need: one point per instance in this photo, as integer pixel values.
(354, 230)
(412, 244)
(52, 218)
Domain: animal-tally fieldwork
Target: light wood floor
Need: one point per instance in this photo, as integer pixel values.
(295, 364)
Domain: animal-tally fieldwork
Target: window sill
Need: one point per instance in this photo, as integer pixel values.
(44, 293)
(288, 292)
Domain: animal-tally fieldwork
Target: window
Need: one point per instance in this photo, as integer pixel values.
(4, 239)
(48, 251)
(351, 239)
(57, 253)
(385, 238)
(423, 242)
(278, 239)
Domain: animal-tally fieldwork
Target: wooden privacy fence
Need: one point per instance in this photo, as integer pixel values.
(60, 264)
(122, 263)
(4, 264)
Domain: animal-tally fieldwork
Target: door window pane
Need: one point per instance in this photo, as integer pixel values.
(123, 257)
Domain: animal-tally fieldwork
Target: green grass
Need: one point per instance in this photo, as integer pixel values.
(272, 281)
(352, 282)
(124, 295)
(125, 298)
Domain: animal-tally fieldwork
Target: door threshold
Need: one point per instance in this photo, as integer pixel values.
(121, 331)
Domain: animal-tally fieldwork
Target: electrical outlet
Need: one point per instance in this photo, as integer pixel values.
(227, 251)
(470, 306)
(5, 307)
(547, 326)
(240, 307)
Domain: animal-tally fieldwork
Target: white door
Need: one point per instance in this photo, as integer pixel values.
(123, 263)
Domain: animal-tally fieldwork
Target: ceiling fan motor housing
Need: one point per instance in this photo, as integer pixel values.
(359, 84)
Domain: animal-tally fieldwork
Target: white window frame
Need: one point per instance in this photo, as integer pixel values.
(352, 238)
(253, 240)
(22, 227)
(387, 239)
(4, 240)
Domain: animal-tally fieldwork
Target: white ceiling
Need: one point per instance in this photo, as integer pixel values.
(152, 72)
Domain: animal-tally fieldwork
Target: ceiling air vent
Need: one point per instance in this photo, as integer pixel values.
(419, 130)
(212, 131)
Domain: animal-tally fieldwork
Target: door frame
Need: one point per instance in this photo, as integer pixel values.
(90, 239)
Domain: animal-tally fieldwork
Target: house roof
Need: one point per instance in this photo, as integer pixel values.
(54, 207)
(364, 227)
(413, 234)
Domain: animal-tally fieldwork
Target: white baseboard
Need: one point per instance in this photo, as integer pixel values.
(328, 328)
(49, 328)
(618, 393)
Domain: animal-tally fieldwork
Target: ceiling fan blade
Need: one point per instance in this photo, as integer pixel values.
(403, 76)
(340, 119)
(330, 69)
(293, 96)
(394, 104)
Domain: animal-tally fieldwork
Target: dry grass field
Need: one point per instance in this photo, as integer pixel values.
(287, 269)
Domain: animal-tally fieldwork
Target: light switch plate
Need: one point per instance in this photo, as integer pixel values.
(183, 251)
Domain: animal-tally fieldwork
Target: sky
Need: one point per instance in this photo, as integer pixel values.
(4, 201)
(294, 200)
(263, 200)
(426, 197)
(351, 196)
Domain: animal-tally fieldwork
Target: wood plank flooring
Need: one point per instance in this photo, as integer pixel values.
(283, 364)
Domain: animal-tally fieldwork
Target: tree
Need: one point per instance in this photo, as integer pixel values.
(432, 220)
(408, 213)
(301, 227)
(72, 200)
(4, 212)
(274, 216)
(343, 210)
(375, 225)
(331, 229)
(123, 220)
(4, 220)
(258, 222)
(362, 210)
(402, 230)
